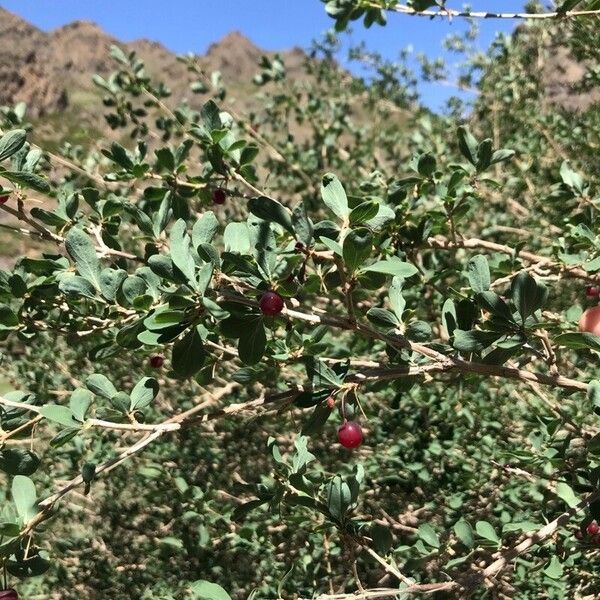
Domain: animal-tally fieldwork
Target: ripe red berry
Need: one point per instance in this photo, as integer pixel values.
(592, 291)
(593, 528)
(9, 595)
(219, 196)
(579, 534)
(350, 434)
(271, 304)
(156, 361)
(3, 200)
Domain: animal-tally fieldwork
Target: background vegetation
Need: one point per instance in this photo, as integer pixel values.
(434, 268)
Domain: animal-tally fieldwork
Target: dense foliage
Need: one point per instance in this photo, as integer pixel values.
(210, 297)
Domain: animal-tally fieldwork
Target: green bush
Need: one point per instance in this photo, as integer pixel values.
(172, 436)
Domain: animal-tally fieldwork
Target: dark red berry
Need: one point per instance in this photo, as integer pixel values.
(271, 304)
(8, 595)
(3, 200)
(593, 528)
(219, 196)
(350, 434)
(579, 534)
(299, 246)
(157, 361)
(592, 291)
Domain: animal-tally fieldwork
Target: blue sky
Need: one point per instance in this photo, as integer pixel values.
(192, 25)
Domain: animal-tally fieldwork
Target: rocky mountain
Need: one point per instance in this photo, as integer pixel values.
(52, 71)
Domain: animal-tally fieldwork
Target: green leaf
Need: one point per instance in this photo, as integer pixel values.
(554, 569)
(593, 392)
(8, 319)
(317, 419)
(474, 341)
(75, 285)
(571, 178)
(357, 248)
(428, 535)
(494, 304)
(270, 210)
(303, 226)
(464, 532)
(204, 229)
(565, 492)
(18, 461)
(487, 532)
(478, 273)
(143, 393)
(392, 266)
(188, 354)
(204, 590)
(468, 145)
(528, 294)
(110, 282)
(338, 498)
(426, 165)
(334, 196)
(82, 251)
(101, 386)
(237, 238)
(163, 215)
(332, 245)
(24, 497)
(59, 414)
(163, 318)
(484, 155)
(181, 251)
(418, 331)
(397, 301)
(364, 212)
(29, 180)
(80, 403)
(11, 142)
(382, 317)
(501, 155)
(578, 340)
(252, 342)
(382, 538)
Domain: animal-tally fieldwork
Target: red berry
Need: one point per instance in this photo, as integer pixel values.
(156, 362)
(579, 534)
(592, 291)
(219, 196)
(271, 304)
(593, 528)
(330, 402)
(8, 595)
(3, 200)
(350, 434)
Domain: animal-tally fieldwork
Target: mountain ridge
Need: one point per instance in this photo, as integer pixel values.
(52, 71)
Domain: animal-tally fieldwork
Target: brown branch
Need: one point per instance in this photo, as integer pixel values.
(451, 13)
(539, 260)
